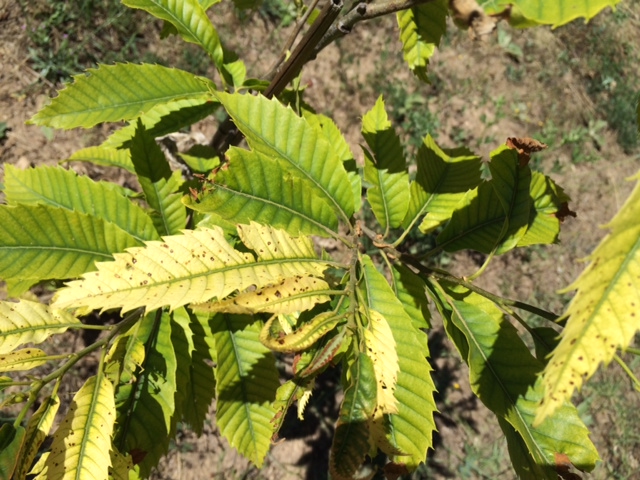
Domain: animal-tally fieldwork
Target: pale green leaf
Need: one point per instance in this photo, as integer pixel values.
(550, 12)
(43, 242)
(412, 427)
(183, 347)
(202, 387)
(38, 428)
(254, 187)
(104, 156)
(247, 381)
(603, 315)
(504, 375)
(421, 28)
(441, 181)
(411, 291)
(31, 322)
(24, 359)
(62, 188)
(146, 403)
(545, 216)
(106, 94)
(81, 445)
(193, 267)
(163, 119)
(385, 168)
(330, 131)
(159, 184)
(351, 438)
(290, 295)
(189, 18)
(276, 131)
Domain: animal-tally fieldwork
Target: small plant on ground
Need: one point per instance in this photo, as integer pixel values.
(212, 268)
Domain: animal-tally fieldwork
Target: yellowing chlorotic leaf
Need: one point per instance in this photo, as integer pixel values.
(24, 359)
(550, 12)
(291, 295)
(30, 322)
(81, 445)
(305, 396)
(193, 267)
(121, 465)
(273, 336)
(604, 315)
(381, 349)
(37, 430)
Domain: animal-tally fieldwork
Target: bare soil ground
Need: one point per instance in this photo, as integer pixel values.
(481, 93)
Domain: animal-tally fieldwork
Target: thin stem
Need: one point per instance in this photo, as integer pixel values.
(408, 260)
(634, 351)
(364, 11)
(292, 38)
(625, 367)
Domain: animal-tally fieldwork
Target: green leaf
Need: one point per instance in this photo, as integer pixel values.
(42, 242)
(30, 322)
(163, 119)
(441, 182)
(146, 404)
(62, 188)
(412, 427)
(106, 94)
(201, 158)
(330, 131)
(411, 291)
(544, 218)
(159, 184)
(550, 12)
(202, 387)
(421, 28)
(385, 168)
(253, 187)
(351, 439)
(503, 374)
(11, 440)
(189, 18)
(104, 156)
(38, 428)
(276, 131)
(603, 315)
(247, 384)
(193, 267)
(81, 445)
(182, 341)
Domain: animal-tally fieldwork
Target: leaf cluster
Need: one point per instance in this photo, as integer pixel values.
(215, 273)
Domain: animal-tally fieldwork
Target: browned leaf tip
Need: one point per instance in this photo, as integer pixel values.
(563, 467)
(392, 471)
(137, 455)
(525, 147)
(564, 211)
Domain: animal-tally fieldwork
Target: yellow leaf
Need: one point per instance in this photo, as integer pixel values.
(274, 337)
(24, 359)
(81, 445)
(191, 268)
(381, 349)
(295, 294)
(604, 314)
(304, 397)
(30, 322)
